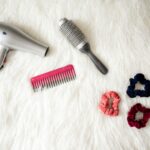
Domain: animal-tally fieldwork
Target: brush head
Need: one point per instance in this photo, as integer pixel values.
(53, 78)
(72, 33)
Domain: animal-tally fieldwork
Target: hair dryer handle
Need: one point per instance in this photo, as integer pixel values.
(100, 66)
(3, 55)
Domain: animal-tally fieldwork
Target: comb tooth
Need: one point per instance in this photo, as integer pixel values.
(58, 79)
(55, 81)
(61, 78)
(50, 82)
(46, 85)
(38, 85)
(53, 84)
(47, 81)
(72, 74)
(41, 87)
(43, 84)
(69, 75)
(64, 80)
(35, 87)
(66, 77)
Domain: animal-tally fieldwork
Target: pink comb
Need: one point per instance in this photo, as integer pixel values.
(53, 78)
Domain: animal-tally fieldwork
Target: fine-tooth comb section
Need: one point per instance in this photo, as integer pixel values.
(53, 78)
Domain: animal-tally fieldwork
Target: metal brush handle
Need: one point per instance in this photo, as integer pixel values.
(99, 65)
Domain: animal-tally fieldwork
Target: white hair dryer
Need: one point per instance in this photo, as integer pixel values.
(12, 38)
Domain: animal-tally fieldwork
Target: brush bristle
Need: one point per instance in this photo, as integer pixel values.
(72, 33)
(53, 78)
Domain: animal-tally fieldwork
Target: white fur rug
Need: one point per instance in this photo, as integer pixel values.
(67, 117)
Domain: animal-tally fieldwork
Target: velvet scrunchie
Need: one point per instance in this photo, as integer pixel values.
(109, 103)
(132, 92)
(140, 123)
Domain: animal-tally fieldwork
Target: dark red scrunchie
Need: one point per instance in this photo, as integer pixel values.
(132, 116)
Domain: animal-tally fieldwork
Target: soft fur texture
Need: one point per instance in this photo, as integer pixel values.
(67, 117)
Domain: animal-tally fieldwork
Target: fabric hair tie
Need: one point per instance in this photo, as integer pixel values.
(109, 103)
(132, 92)
(140, 123)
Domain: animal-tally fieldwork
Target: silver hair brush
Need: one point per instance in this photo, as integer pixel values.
(12, 38)
(78, 40)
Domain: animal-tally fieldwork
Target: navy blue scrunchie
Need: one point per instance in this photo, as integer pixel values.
(132, 92)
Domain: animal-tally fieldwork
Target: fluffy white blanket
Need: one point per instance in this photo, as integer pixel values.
(67, 117)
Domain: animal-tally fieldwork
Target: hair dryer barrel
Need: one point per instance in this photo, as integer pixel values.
(15, 39)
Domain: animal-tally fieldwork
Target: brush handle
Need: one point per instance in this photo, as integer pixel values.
(100, 66)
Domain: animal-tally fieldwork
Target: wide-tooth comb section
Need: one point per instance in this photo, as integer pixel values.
(53, 78)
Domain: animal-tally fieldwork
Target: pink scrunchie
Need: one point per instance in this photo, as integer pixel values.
(105, 106)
